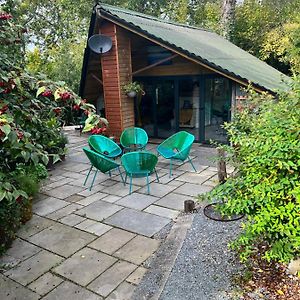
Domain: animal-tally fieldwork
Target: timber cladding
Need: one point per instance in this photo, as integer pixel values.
(116, 71)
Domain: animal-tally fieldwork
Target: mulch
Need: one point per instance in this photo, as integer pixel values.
(269, 281)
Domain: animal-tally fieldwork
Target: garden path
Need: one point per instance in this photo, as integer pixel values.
(83, 244)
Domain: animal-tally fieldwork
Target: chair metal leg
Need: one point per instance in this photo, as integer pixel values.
(93, 180)
(130, 186)
(148, 188)
(192, 164)
(109, 173)
(126, 178)
(170, 168)
(156, 175)
(121, 175)
(87, 176)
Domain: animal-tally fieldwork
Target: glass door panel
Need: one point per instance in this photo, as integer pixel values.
(217, 108)
(145, 109)
(165, 108)
(189, 106)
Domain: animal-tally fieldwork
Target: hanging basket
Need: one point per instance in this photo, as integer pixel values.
(212, 213)
(131, 94)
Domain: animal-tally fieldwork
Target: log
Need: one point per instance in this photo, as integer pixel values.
(222, 173)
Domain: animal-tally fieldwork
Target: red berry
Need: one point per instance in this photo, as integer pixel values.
(5, 16)
(76, 107)
(20, 135)
(86, 112)
(47, 93)
(57, 110)
(2, 83)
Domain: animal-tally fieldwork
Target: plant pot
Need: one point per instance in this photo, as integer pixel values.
(26, 211)
(131, 94)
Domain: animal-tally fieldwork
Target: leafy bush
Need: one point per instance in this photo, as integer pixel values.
(32, 112)
(265, 138)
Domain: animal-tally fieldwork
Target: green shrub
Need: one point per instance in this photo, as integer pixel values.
(265, 135)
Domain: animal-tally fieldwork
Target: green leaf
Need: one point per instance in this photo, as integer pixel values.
(40, 90)
(6, 129)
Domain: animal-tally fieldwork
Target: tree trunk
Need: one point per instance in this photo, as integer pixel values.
(228, 18)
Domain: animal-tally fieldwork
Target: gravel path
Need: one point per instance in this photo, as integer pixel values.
(193, 263)
(204, 267)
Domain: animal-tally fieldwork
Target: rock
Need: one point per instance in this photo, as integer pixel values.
(294, 267)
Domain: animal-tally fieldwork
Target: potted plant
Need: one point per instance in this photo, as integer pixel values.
(132, 89)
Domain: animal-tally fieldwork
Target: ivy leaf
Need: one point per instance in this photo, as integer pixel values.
(6, 129)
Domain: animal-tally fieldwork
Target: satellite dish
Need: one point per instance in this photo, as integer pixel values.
(100, 43)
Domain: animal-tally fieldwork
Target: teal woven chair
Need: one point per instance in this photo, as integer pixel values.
(133, 139)
(177, 147)
(100, 163)
(104, 146)
(139, 164)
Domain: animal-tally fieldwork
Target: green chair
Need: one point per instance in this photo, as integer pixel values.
(139, 164)
(104, 146)
(133, 139)
(177, 147)
(101, 163)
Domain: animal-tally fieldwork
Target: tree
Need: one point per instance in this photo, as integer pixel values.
(228, 18)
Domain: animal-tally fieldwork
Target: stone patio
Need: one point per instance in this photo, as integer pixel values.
(83, 244)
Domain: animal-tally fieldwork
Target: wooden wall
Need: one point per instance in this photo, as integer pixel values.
(116, 71)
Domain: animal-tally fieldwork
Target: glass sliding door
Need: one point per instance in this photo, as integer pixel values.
(165, 108)
(217, 106)
(155, 111)
(188, 94)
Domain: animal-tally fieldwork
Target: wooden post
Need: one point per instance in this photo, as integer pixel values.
(222, 173)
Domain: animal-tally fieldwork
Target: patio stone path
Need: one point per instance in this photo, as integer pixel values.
(92, 245)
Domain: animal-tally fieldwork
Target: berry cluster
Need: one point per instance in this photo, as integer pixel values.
(76, 107)
(97, 130)
(65, 95)
(5, 16)
(47, 93)
(57, 110)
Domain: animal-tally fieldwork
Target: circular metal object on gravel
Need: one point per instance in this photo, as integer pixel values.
(212, 213)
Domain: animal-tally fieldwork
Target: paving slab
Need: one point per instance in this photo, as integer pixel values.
(98, 210)
(72, 220)
(173, 201)
(137, 201)
(21, 250)
(33, 226)
(191, 189)
(87, 192)
(48, 205)
(64, 211)
(123, 292)
(137, 221)
(45, 283)
(33, 267)
(112, 240)
(111, 278)
(138, 249)
(76, 167)
(58, 183)
(92, 198)
(194, 177)
(188, 167)
(61, 239)
(111, 198)
(119, 189)
(158, 189)
(71, 291)
(74, 198)
(64, 191)
(73, 175)
(93, 227)
(84, 266)
(137, 275)
(11, 290)
(162, 211)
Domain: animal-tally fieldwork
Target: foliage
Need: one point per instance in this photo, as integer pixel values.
(132, 87)
(265, 135)
(32, 112)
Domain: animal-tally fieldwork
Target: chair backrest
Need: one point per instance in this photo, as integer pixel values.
(103, 145)
(134, 135)
(181, 142)
(99, 161)
(139, 161)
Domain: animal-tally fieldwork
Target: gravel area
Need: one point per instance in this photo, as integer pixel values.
(204, 267)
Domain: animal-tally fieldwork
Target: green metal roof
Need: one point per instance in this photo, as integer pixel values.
(203, 45)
